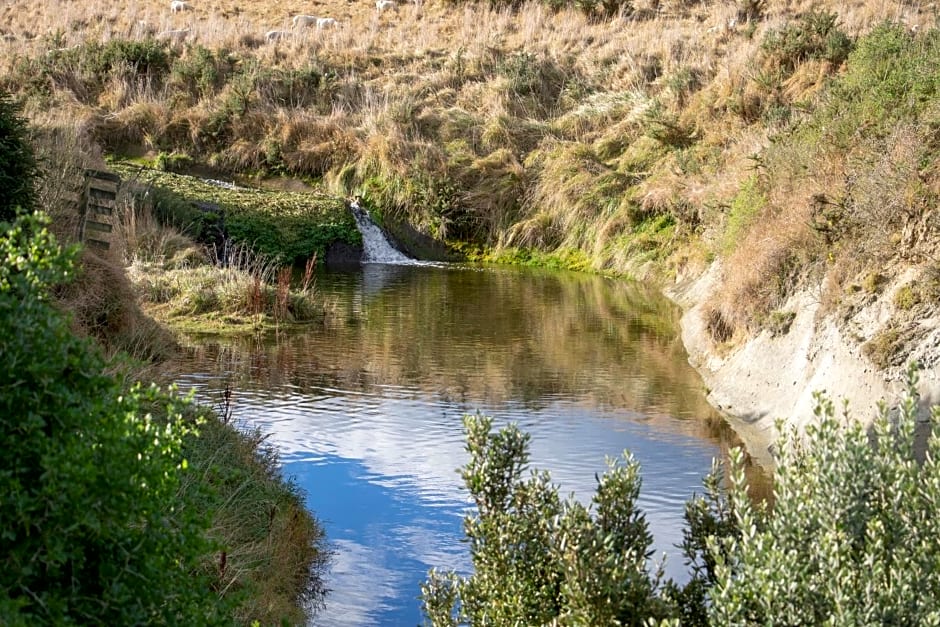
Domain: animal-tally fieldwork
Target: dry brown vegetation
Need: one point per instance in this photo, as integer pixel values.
(623, 142)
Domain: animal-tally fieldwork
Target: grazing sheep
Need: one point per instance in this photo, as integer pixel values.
(178, 5)
(304, 20)
(320, 22)
(381, 5)
(277, 35)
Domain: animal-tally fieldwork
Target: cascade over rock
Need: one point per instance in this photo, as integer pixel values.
(375, 246)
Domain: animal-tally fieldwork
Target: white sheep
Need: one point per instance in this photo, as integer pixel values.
(277, 35)
(381, 5)
(320, 22)
(304, 20)
(178, 5)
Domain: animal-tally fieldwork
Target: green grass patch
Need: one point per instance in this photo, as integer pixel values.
(271, 552)
(745, 208)
(289, 227)
(244, 297)
(560, 259)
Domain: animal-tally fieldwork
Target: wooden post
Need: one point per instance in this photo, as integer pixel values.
(99, 218)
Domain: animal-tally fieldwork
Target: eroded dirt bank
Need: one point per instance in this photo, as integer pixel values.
(768, 377)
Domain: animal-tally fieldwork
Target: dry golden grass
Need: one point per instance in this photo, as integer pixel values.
(450, 115)
(697, 34)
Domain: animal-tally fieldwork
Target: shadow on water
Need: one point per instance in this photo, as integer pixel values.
(367, 410)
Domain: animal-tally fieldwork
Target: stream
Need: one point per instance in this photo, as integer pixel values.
(366, 410)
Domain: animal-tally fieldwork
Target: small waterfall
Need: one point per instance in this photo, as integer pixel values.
(375, 246)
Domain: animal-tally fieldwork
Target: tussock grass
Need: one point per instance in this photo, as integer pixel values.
(273, 553)
(450, 117)
(238, 290)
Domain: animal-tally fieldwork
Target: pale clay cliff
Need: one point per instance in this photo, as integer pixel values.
(767, 378)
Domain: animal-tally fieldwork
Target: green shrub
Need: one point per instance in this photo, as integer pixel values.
(906, 298)
(814, 35)
(779, 322)
(147, 56)
(18, 168)
(745, 208)
(200, 73)
(89, 480)
(539, 559)
(891, 75)
(854, 535)
(882, 348)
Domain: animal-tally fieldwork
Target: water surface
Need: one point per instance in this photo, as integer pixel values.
(366, 410)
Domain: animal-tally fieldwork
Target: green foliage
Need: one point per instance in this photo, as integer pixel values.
(779, 322)
(883, 347)
(854, 536)
(147, 56)
(283, 227)
(539, 559)
(665, 127)
(814, 35)
(537, 79)
(605, 8)
(86, 69)
(890, 76)
(307, 87)
(745, 208)
(93, 532)
(274, 551)
(906, 298)
(18, 169)
(173, 210)
(200, 72)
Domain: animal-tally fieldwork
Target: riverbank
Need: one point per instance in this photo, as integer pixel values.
(786, 142)
(771, 378)
(124, 503)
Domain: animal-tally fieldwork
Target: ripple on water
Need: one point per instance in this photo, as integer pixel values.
(367, 413)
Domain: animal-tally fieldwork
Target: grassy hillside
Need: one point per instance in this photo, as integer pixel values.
(791, 140)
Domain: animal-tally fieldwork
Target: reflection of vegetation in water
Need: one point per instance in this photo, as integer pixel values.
(490, 337)
(532, 335)
(850, 538)
(497, 337)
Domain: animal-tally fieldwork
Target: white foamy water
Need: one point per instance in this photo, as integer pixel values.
(375, 246)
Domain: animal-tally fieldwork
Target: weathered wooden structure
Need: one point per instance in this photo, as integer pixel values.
(99, 215)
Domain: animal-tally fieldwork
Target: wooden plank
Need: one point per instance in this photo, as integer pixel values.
(101, 189)
(100, 211)
(103, 203)
(105, 218)
(103, 175)
(97, 243)
(101, 227)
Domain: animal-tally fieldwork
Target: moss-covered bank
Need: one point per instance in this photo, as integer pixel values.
(283, 227)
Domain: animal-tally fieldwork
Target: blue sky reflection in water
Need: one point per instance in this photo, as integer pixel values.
(367, 411)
